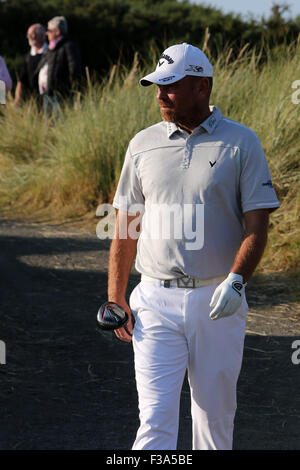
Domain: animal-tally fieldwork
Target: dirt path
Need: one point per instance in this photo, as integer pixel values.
(66, 385)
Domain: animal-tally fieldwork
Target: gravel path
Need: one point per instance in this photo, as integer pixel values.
(67, 385)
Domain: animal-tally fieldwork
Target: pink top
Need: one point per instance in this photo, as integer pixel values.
(4, 75)
(53, 43)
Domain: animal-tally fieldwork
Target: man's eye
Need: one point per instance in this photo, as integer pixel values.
(170, 88)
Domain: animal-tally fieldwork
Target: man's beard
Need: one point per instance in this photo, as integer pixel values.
(168, 114)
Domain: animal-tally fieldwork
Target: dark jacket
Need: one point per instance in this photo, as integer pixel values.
(28, 73)
(64, 66)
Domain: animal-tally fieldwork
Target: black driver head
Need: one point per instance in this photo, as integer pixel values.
(111, 316)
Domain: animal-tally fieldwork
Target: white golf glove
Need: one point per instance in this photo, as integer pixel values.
(227, 297)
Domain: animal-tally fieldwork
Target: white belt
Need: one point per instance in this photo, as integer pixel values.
(186, 282)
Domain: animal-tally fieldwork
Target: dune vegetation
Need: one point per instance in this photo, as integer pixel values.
(63, 168)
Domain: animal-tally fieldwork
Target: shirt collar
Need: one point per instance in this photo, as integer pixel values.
(33, 49)
(213, 120)
(209, 125)
(172, 128)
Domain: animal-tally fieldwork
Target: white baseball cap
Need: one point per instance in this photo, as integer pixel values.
(176, 62)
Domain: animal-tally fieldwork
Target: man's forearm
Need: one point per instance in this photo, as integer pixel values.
(249, 255)
(18, 93)
(121, 257)
(253, 245)
(122, 254)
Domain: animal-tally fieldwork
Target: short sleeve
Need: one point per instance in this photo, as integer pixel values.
(129, 196)
(256, 186)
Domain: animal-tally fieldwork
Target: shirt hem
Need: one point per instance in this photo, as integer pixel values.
(271, 206)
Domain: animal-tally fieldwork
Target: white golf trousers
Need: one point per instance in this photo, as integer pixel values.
(173, 333)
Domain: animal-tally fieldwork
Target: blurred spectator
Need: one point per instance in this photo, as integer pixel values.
(28, 75)
(60, 67)
(4, 74)
(5, 81)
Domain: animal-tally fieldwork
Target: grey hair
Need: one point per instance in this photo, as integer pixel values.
(39, 29)
(61, 23)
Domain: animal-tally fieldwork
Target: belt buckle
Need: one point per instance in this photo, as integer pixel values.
(186, 282)
(166, 283)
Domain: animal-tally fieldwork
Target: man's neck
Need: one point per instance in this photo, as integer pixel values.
(38, 49)
(54, 42)
(189, 126)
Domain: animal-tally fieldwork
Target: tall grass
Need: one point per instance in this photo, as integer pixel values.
(260, 96)
(65, 167)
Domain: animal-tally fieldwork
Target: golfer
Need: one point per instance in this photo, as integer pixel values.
(194, 197)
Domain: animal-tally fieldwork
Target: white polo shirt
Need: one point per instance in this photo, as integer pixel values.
(193, 190)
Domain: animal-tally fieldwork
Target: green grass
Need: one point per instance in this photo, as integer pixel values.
(64, 168)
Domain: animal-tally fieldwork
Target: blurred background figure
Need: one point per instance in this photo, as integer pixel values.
(6, 80)
(4, 75)
(27, 84)
(60, 67)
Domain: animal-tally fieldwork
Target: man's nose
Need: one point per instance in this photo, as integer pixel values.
(161, 93)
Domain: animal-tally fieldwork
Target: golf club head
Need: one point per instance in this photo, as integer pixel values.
(111, 316)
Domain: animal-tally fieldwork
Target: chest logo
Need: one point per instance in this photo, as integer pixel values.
(268, 183)
(212, 164)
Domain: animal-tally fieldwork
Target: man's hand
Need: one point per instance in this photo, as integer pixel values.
(229, 294)
(227, 297)
(121, 333)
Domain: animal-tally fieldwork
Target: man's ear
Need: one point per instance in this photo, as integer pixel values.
(204, 86)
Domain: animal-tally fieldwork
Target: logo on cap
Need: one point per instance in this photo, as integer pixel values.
(166, 79)
(168, 59)
(194, 68)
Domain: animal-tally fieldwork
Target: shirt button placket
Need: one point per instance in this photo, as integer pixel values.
(187, 154)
